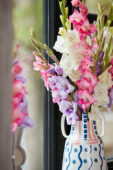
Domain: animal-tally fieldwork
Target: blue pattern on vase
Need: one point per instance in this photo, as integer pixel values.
(80, 158)
(90, 158)
(95, 148)
(95, 160)
(69, 158)
(75, 150)
(74, 162)
(100, 157)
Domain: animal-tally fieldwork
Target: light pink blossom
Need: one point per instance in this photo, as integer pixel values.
(95, 46)
(111, 71)
(112, 61)
(85, 99)
(90, 77)
(87, 52)
(18, 88)
(75, 3)
(86, 63)
(39, 64)
(17, 69)
(84, 84)
(45, 77)
(83, 9)
(77, 18)
(85, 29)
(83, 43)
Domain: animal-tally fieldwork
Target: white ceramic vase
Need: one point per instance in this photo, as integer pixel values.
(84, 149)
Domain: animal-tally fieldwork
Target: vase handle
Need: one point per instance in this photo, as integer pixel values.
(62, 127)
(103, 126)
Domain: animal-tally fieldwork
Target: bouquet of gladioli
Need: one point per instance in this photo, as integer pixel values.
(20, 116)
(82, 81)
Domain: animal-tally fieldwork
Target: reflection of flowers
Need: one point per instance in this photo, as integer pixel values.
(19, 103)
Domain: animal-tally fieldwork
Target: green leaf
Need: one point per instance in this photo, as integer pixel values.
(64, 11)
(108, 23)
(108, 48)
(110, 11)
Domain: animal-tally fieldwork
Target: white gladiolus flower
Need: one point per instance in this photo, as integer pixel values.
(96, 112)
(101, 89)
(70, 38)
(72, 56)
(101, 94)
(62, 31)
(105, 78)
(70, 64)
(60, 45)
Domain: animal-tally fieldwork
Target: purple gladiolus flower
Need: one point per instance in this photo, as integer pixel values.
(76, 98)
(27, 122)
(110, 94)
(53, 81)
(23, 106)
(98, 69)
(51, 71)
(99, 64)
(57, 69)
(68, 107)
(60, 83)
(16, 61)
(19, 77)
(101, 56)
(58, 96)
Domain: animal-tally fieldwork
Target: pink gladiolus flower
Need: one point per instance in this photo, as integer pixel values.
(17, 46)
(90, 77)
(83, 9)
(77, 18)
(95, 46)
(112, 62)
(111, 71)
(18, 88)
(83, 43)
(85, 29)
(16, 99)
(38, 64)
(18, 116)
(84, 84)
(17, 69)
(14, 126)
(86, 63)
(87, 52)
(75, 3)
(45, 77)
(85, 99)
(93, 28)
